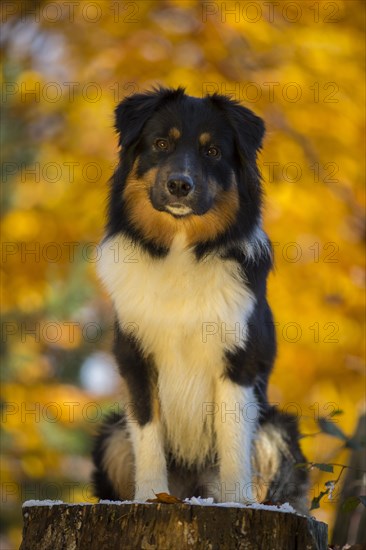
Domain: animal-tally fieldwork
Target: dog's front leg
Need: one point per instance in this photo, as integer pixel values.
(144, 424)
(235, 425)
(150, 462)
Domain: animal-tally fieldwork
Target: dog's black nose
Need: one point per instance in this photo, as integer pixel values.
(180, 186)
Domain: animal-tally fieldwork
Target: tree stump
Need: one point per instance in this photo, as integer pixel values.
(159, 526)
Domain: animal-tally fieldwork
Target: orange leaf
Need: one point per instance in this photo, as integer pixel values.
(165, 498)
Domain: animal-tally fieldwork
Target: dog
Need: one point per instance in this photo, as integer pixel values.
(185, 261)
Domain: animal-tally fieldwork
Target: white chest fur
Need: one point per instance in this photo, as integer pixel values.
(186, 313)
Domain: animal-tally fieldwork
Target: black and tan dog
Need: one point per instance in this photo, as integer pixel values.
(185, 261)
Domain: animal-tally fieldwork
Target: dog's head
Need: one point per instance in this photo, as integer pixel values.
(187, 164)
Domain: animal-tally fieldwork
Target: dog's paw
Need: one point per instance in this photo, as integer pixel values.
(149, 489)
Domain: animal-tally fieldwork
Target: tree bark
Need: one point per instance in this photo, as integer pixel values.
(167, 527)
(351, 527)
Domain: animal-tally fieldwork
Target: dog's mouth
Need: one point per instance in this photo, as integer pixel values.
(178, 210)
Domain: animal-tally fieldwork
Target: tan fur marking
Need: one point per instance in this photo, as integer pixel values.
(174, 133)
(156, 226)
(205, 138)
(266, 459)
(215, 221)
(162, 227)
(118, 461)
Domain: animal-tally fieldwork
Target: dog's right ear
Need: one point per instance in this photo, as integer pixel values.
(133, 112)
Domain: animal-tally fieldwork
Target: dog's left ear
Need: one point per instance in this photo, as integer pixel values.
(248, 127)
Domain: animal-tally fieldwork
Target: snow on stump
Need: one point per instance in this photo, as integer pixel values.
(128, 525)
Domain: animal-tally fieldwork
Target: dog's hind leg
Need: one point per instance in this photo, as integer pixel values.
(276, 453)
(113, 476)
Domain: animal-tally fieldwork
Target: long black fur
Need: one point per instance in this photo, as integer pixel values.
(241, 135)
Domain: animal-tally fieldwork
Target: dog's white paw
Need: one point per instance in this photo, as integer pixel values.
(149, 489)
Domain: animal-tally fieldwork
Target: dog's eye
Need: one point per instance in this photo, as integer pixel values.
(213, 152)
(162, 144)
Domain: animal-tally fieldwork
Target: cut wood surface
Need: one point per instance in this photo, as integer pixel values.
(159, 526)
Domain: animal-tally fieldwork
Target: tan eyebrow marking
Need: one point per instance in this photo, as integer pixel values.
(174, 133)
(205, 138)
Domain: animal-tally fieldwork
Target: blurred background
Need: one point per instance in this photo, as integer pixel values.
(66, 65)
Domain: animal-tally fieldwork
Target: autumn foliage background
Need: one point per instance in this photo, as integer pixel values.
(299, 65)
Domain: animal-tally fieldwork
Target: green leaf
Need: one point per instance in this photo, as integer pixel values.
(323, 467)
(315, 503)
(336, 413)
(353, 443)
(331, 428)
